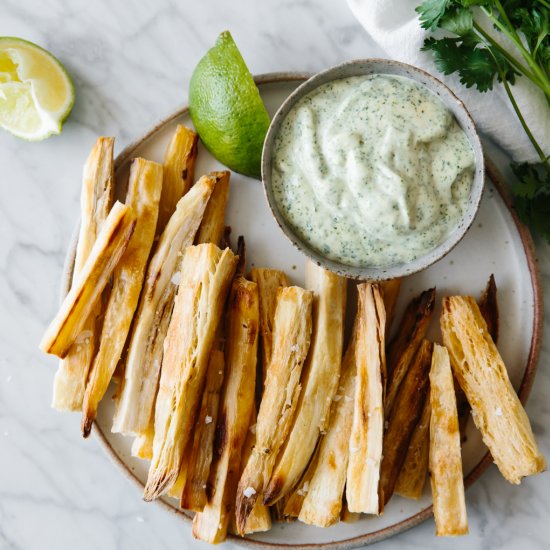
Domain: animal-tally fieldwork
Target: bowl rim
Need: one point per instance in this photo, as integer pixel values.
(451, 101)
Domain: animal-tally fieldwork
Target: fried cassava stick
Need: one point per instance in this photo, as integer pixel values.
(236, 409)
(268, 281)
(412, 477)
(95, 203)
(179, 172)
(390, 293)
(404, 417)
(291, 340)
(322, 503)
(365, 444)
(319, 380)
(212, 227)
(482, 375)
(445, 458)
(143, 196)
(88, 285)
(402, 349)
(135, 406)
(206, 273)
(194, 496)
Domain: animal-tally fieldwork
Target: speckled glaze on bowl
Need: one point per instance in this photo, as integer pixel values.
(364, 67)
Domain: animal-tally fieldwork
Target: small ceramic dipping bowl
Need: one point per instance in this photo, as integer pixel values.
(362, 68)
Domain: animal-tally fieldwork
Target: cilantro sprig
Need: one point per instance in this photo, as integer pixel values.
(480, 61)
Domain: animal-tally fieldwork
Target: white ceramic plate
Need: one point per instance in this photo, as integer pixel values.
(496, 243)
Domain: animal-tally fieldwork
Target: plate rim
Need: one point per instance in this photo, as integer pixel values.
(523, 392)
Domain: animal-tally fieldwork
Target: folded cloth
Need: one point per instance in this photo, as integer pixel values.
(394, 25)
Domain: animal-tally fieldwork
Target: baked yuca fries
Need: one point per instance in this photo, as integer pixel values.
(95, 203)
(206, 273)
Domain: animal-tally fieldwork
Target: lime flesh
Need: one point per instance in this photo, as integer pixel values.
(36, 93)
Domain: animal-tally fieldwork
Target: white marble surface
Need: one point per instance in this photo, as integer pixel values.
(131, 62)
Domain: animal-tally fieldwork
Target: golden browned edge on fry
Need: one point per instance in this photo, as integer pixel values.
(402, 349)
(291, 340)
(321, 504)
(206, 274)
(95, 203)
(404, 417)
(143, 196)
(268, 281)
(445, 456)
(390, 294)
(488, 307)
(135, 407)
(319, 380)
(260, 517)
(194, 496)
(365, 444)
(481, 373)
(88, 285)
(179, 172)
(212, 227)
(412, 477)
(346, 516)
(236, 411)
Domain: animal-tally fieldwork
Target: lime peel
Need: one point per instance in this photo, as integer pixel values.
(227, 109)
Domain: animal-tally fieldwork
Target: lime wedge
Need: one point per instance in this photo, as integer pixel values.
(227, 109)
(36, 93)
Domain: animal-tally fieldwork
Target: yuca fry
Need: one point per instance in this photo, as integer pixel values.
(322, 503)
(319, 380)
(412, 477)
(365, 444)
(88, 285)
(95, 203)
(135, 407)
(143, 196)
(236, 411)
(445, 456)
(390, 293)
(488, 307)
(179, 172)
(142, 446)
(402, 349)
(268, 281)
(212, 227)
(404, 417)
(481, 373)
(291, 340)
(260, 518)
(206, 273)
(194, 496)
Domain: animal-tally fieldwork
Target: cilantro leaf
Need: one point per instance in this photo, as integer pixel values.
(431, 12)
(532, 196)
(458, 22)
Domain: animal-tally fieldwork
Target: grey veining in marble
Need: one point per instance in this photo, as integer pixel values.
(131, 62)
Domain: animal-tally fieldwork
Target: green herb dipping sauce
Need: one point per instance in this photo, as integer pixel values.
(372, 170)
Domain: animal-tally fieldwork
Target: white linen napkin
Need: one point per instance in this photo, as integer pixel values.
(394, 25)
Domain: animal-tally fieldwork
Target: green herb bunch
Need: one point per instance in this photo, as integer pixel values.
(479, 60)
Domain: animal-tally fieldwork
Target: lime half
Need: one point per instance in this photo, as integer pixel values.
(227, 109)
(36, 93)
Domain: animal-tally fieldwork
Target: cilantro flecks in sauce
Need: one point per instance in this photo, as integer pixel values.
(372, 170)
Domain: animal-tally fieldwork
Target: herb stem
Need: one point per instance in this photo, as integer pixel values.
(489, 40)
(544, 3)
(532, 139)
(508, 29)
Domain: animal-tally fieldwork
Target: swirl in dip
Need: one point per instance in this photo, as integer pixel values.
(372, 171)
